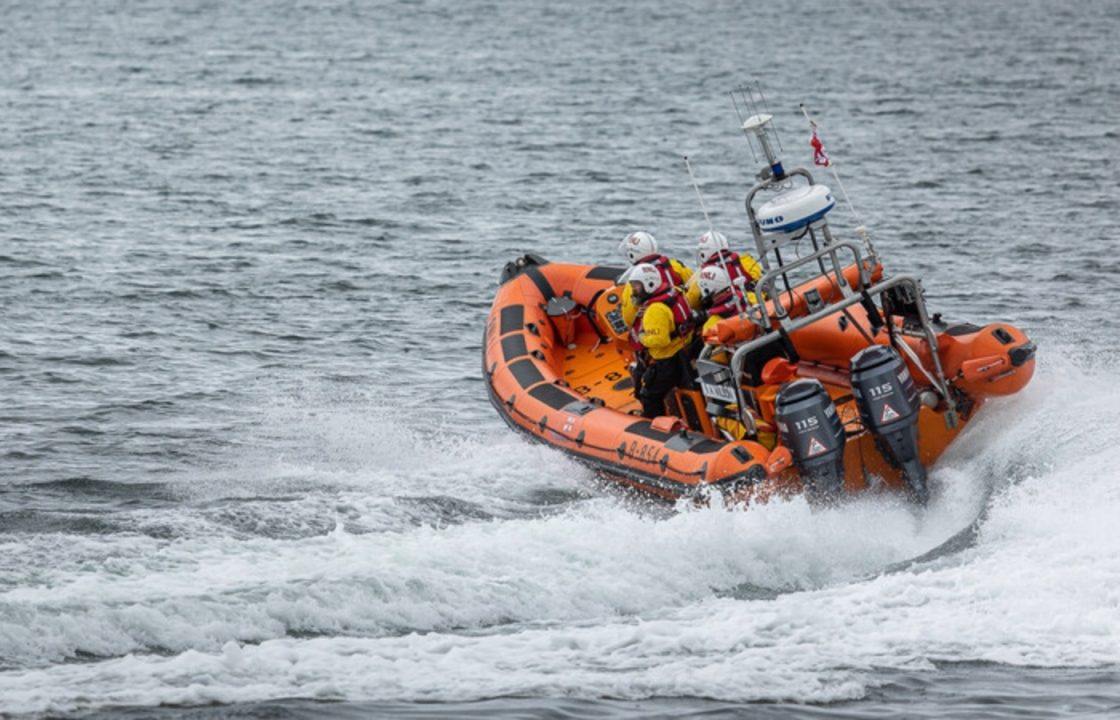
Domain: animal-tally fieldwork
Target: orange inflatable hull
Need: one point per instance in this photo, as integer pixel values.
(555, 363)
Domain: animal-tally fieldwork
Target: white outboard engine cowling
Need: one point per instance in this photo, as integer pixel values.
(888, 406)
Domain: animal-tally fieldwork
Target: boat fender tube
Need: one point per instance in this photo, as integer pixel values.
(888, 406)
(812, 430)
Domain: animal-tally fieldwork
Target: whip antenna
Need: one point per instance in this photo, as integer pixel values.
(712, 230)
(735, 104)
(766, 109)
(699, 196)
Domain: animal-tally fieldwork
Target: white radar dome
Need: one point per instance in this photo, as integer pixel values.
(794, 209)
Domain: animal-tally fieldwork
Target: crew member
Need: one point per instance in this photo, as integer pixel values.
(712, 251)
(641, 247)
(718, 297)
(743, 269)
(659, 336)
(721, 299)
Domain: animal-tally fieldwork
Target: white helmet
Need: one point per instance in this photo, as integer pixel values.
(637, 245)
(648, 275)
(709, 244)
(713, 280)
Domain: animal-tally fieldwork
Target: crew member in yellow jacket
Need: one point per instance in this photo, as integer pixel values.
(660, 336)
(721, 299)
(641, 247)
(712, 250)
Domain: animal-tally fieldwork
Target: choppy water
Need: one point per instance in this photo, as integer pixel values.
(246, 252)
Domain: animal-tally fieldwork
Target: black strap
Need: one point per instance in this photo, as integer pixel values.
(541, 282)
(873, 316)
(787, 343)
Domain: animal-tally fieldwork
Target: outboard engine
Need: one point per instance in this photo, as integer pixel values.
(888, 406)
(812, 431)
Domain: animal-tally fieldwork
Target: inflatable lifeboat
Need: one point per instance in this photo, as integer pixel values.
(835, 381)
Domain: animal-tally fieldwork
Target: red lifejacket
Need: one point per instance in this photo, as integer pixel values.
(682, 315)
(723, 304)
(735, 269)
(664, 265)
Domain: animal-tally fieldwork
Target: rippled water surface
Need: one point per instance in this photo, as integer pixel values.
(248, 464)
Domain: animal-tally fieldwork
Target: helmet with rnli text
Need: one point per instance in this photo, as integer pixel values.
(713, 280)
(709, 244)
(638, 245)
(645, 279)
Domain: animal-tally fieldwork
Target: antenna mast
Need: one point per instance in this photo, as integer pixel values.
(760, 128)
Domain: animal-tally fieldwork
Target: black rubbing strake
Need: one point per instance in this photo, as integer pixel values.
(513, 318)
(513, 347)
(579, 408)
(604, 272)
(627, 473)
(707, 446)
(964, 328)
(683, 443)
(553, 396)
(644, 429)
(526, 373)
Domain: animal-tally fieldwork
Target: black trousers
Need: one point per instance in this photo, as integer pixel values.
(658, 378)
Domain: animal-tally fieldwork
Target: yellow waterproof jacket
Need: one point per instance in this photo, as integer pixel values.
(681, 269)
(692, 292)
(657, 332)
(750, 266)
(710, 323)
(767, 435)
(713, 319)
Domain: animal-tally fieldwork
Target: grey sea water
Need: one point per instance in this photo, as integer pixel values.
(247, 464)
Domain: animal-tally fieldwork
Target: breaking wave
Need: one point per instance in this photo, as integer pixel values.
(396, 570)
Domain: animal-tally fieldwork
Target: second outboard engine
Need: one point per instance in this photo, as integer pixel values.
(812, 431)
(888, 406)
